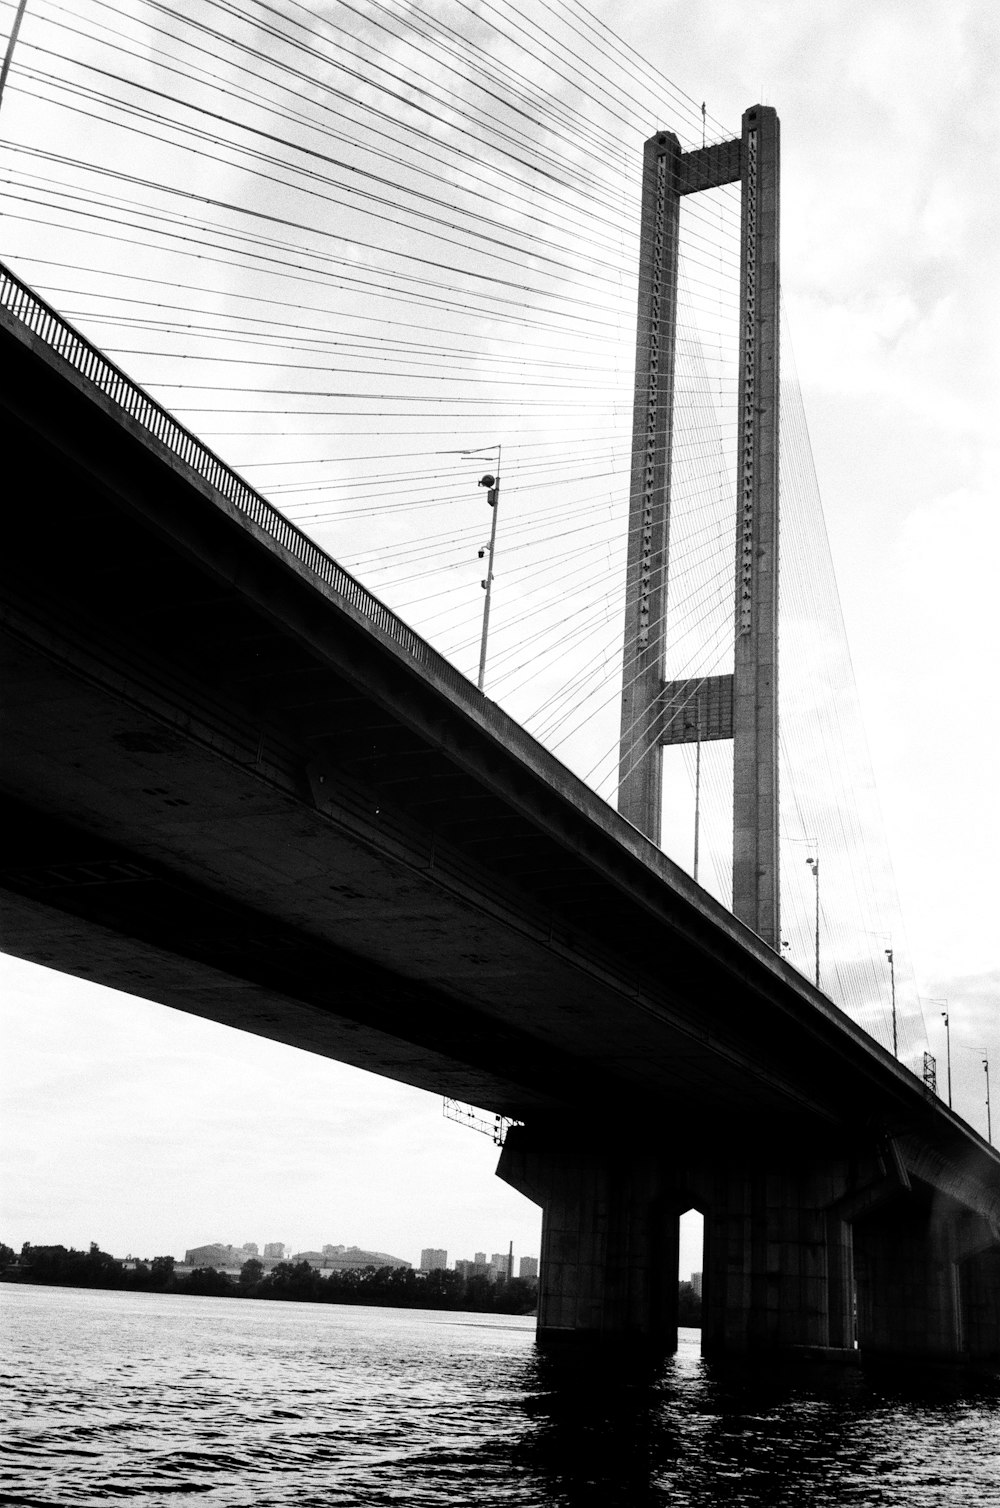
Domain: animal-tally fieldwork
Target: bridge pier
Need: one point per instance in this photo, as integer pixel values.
(777, 1263)
(608, 1270)
(979, 1279)
(909, 1296)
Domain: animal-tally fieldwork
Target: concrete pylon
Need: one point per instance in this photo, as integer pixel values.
(777, 1272)
(743, 706)
(648, 554)
(608, 1268)
(979, 1277)
(755, 672)
(908, 1277)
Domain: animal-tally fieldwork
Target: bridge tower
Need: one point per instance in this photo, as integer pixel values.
(742, 706)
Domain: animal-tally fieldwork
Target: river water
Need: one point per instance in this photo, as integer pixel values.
(177, 1399)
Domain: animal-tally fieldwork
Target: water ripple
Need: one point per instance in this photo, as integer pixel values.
(171, 1400)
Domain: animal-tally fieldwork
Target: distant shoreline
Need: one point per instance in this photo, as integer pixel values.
(298, 1282)
(390, 1287)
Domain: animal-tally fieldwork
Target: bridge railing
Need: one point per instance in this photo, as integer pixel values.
(84, 357)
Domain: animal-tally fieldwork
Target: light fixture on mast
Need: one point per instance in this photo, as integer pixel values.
(947, 1034)
(492, 485)
(989, 1123)
(892, 984)
(814, 865)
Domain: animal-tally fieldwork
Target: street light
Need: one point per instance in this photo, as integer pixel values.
(892, 982)
(492, 485)
(814, 864)
(989, 1124)
(947, 1034)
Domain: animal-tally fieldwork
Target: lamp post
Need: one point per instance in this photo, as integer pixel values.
(697, 787)
(892, 984)
(989, 1124)
(814, 865)
(947, 1037)
(492, 485)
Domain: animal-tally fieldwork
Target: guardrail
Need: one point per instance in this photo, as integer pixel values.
(78, 352)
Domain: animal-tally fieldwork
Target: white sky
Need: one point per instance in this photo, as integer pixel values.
(148, 1131)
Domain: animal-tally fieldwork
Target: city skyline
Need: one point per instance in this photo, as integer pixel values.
(336, 1255)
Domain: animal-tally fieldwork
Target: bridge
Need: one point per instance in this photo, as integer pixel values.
(234, 783)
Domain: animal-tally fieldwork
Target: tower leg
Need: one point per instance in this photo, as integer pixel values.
(640, 756)
(755, 675)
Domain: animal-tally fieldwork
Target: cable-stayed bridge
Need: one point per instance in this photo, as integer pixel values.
(462, 1052)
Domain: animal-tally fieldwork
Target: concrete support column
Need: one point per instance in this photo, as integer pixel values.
(909, 1300)
(777, 1267)
(842, 1326)
(980, 1290)
(608, 1269)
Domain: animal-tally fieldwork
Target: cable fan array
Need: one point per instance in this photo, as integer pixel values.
(354, 246)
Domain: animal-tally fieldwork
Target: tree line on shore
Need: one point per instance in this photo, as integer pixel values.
(392, 1287)
(397, 1287)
